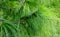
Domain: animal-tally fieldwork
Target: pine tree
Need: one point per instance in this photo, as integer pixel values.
(29, 18)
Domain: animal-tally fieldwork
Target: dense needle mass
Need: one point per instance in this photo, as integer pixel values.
(29, 18)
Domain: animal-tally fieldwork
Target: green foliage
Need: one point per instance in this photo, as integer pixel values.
(29, 18)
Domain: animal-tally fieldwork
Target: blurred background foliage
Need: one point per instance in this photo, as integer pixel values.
(29, 18)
